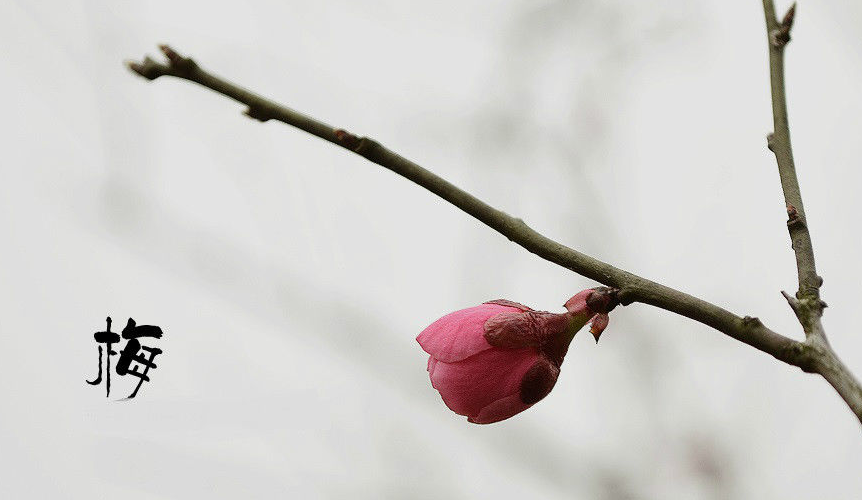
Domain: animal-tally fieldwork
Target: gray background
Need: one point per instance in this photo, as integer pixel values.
(291, 277)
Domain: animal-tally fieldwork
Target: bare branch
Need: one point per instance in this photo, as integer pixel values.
(840, 378)
(779, 143)
(806, 304)
(632, 288)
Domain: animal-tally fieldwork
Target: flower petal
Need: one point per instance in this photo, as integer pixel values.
(577, 305)
(500, 410)
(431, 363)
(600, 322)
(460, 334)
(513, 331)
(538, 381)
(526, 329)
(510, 303)
(536, 384)
(470, 385)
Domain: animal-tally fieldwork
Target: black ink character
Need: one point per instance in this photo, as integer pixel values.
(133, 352)
(129, 355)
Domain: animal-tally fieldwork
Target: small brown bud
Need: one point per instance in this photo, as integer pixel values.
(347, 139)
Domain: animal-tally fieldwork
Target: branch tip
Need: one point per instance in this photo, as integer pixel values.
(148, 68)
(787, 21)
(177, 65)
(176, 60)
(795, 305)
(172, 55)
(135, 66)
(780, 36)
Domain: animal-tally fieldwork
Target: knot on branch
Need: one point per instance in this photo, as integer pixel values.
(793, 217)
(363, 146)
(801, 355)
(770, 142)
(751, 322)
(807, 306)
(348, 140)
(625, 295)
(257, 113)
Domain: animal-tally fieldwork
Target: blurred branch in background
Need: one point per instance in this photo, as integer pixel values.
(811, 356)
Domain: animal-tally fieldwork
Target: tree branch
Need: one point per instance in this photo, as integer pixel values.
(632, 288)
(806, 304)
(779, 142)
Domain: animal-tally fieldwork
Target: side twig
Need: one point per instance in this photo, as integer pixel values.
(806, 304)
(632, 288)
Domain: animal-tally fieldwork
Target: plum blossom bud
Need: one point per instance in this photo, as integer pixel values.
(497, 359)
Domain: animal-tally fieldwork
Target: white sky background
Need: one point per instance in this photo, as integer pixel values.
(291, 277)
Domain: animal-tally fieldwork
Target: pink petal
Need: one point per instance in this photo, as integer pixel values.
(513, 331)
(460, 334)
(510, 303)
(577, 305)
(527, 329)
(470, 385)
(500, 410)
(600, 322)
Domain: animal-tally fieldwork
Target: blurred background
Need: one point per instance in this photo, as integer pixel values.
(291, 277)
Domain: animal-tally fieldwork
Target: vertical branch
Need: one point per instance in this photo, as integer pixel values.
(817, 355)
(807, 304)
(779, 142)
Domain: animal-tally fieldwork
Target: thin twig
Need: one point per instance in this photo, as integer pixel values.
(806, 304)
(632, 288)
(778, 34)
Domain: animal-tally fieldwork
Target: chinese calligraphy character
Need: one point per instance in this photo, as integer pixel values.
(132, 355)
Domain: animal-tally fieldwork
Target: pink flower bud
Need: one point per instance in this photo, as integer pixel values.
(497, 359)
